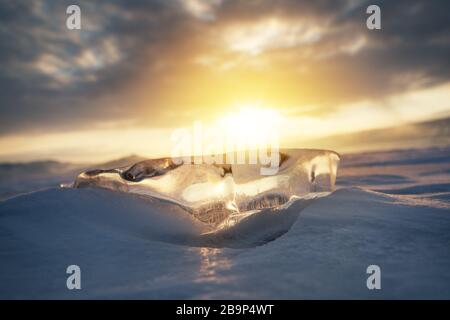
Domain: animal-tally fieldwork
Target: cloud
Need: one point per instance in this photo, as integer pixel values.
(269, 34)
(201, 9)
(162, 62)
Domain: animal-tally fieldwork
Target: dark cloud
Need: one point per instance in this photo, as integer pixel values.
(43, 82)
(52, 78)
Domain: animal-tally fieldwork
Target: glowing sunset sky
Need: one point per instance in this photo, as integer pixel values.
(137, 70)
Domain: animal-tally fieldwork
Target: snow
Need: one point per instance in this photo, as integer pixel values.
(130, 246)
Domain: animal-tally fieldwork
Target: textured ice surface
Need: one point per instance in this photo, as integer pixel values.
(136, 247)
(222, 194)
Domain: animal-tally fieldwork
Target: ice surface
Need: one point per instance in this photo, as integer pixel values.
(221, 195)
(133, 246)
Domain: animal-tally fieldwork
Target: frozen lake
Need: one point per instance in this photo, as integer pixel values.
(390, 209)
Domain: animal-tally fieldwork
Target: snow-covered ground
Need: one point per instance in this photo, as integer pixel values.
(390, 209)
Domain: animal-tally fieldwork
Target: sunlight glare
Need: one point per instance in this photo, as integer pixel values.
(252, 126)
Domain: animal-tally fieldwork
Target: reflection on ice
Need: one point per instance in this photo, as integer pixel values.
(222, 193)
(211, 261)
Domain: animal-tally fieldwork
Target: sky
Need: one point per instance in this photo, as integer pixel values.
(137, 71)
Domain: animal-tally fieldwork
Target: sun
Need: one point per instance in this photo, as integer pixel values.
(252, 126)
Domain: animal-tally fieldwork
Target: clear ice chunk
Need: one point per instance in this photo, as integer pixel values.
(214, 193)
